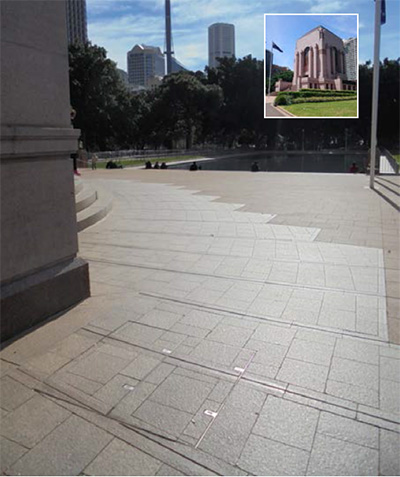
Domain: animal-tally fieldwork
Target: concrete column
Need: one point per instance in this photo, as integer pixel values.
(328, 62)
(322, 59)
(311, 63)
(316, 61)
(40, 272)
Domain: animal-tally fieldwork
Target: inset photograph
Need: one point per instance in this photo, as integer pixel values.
(311, 65)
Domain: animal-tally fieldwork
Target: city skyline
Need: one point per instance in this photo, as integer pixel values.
(117, 25)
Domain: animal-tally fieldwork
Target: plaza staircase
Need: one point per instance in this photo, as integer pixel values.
(92, 205)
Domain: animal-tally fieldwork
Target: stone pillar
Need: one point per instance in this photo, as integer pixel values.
(316, 61)
(329, 62)
(296, 64)
(322, 59)
(40, 272)
(311, 63)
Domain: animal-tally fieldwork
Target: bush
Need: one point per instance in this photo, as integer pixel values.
(293, 97)
(283, 99)
(325, 92)
(320, 99)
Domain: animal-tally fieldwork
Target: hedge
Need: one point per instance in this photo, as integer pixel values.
(326, 91)
(285, 98)
(320, 100)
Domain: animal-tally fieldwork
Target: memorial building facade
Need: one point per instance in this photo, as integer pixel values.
(319, 62)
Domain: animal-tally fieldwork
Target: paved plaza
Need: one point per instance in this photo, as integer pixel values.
(239, 324)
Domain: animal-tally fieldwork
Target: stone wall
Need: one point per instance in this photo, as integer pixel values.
(40, 272)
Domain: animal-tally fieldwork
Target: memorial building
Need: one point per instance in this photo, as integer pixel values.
(320, 63)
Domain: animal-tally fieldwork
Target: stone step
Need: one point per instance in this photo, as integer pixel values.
(96, 211)
(78, 184)
(85, 198)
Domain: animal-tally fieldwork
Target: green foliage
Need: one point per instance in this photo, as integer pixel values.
(283, 99)
(312, 96)
(98, 97)
(327, 109)
(284, 75)
(243, 103)
(224, 106)
(319, 99)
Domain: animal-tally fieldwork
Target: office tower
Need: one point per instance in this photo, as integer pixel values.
(350, 50)
(221, 42)
(145, 62)
(76, 21)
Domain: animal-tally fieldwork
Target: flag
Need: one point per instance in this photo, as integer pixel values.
(383, 12)
(276, 47)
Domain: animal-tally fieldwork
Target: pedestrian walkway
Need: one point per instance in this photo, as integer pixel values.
(271, 111)
(217, 341)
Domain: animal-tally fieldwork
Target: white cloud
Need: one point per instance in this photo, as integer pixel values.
(325, 6)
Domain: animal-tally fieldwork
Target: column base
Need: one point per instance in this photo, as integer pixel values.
(33, 299)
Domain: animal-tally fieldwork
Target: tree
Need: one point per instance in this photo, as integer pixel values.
(284, 75)
(98, 97)
(242, 114)
(183, 105)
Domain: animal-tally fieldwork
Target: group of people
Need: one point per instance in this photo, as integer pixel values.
(149, 165)
(113, 165)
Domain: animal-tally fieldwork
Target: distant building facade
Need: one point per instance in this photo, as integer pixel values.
(144, 63)
(76, 21)
(221, 42)
(319, 61)
(351, 64)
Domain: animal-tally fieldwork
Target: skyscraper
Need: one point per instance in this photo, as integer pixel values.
(221, 42)
(76, 21)
(350, 52)
(145, 62)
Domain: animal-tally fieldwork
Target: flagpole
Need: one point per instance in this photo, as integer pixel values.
(375, 92)
(270, 69)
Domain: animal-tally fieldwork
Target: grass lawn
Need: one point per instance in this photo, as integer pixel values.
(331, 108)
(140, 162)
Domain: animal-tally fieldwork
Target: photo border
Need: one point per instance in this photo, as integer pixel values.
(358, 65)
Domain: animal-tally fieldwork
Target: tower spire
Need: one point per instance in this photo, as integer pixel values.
(168, 34)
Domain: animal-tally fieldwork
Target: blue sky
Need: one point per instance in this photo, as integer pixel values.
(284, 31)
(118, 25)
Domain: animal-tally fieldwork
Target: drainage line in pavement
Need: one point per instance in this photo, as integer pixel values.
(241, 279)
(221, 406)
(277, 260)
(142, 432)
(247, 379)
(248, 315)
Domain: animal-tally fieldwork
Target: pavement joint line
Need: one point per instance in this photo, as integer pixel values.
(243, 279)
(140, 430)
(272, 320)
(276, 387)
(233, 222)
(222, 404)
(145, 433)
(278, 260)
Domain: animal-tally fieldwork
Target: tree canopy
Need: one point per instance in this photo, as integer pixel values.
(223, 106)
